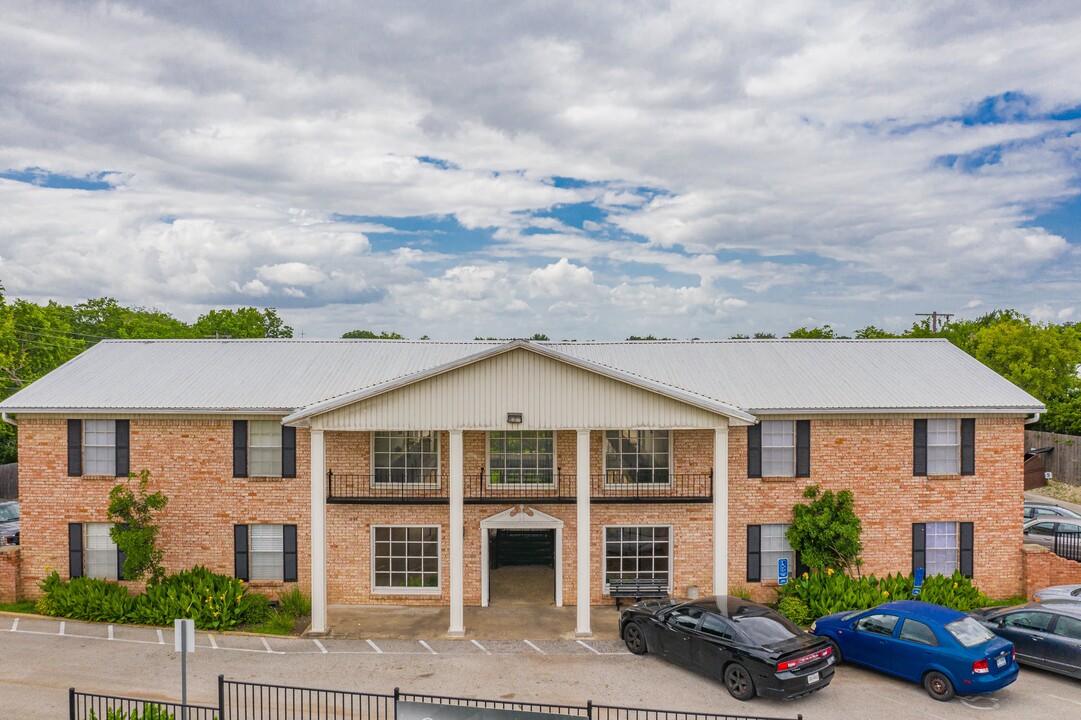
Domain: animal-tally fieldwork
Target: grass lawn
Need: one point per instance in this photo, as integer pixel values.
(1061, 491)
(24, 606)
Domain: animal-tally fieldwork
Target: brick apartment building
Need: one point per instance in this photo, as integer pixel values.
(412, 472)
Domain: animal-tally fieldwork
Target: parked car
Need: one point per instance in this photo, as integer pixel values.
(748, 647)
(9, 523)
(1041, 510)
(1042, 530)
(1058, 594)
(945, 650)
(1043, 635)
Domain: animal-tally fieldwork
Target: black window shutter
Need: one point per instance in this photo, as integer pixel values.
(123, 454)
(75, 448)
(754, 451)
(803, 448)
(240, 448)
(754, 553)
(919, 546)
(966, 549)
(289, 452)
(289, 554)
(75, 549)
(800, 567)
(240, 551)
(968, 446)
(121, 556)
(919, 447)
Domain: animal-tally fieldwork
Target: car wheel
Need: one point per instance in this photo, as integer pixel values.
(838, 657)
(938, 686)
(738, 681)
(634, 638)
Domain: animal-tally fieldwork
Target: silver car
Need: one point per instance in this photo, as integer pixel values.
(9, 523)
(1042, 531)
(1059, 594)
(1042, 510)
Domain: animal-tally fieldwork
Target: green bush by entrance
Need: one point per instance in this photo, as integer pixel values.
(829, 592)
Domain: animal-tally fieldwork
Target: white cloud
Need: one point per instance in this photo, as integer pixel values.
(291, 273)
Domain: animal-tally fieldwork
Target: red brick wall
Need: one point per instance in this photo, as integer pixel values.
(1042, 569)
(10, 590)
(191, 461)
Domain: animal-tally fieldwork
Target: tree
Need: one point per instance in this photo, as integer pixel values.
(825, 533)
(134, 531)
(873, 333)
(104, 317)
(246, 322)
(823, 333)
(540, 337)
(369, 335)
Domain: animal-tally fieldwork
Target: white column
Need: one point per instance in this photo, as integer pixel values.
(457, 530)
(582, 629)
(720, 511)
(318, 464)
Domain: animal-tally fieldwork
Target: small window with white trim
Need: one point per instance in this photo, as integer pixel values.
(944, 446)
(636, 456)
(775, 546)
(942, 548)
(778, 449)
(266, 551)
(406, 456)
(264, 448)
(101, 552)
(405, 559)
(99, 447)
(639, 552)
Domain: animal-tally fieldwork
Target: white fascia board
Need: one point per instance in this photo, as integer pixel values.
(147, 411)
(1020, 410)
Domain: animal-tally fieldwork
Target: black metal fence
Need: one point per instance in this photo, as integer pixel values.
(1068, 545)
(239, 700)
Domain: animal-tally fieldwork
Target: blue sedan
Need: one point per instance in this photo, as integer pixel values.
(945, 650)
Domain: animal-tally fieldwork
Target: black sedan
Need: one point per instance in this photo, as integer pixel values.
(1044, 635)
(745, 645)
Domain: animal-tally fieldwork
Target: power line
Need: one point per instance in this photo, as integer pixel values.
(67, 332)
(935, 315)
(50, 337)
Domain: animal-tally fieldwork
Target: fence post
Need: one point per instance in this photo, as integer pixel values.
(589, 709)
(71, 703)
(221, 697)
(396, 703)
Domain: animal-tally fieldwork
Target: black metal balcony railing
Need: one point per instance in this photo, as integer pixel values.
(494, 487)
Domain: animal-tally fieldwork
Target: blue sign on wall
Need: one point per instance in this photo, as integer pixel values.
(918, 584)
(782, 571)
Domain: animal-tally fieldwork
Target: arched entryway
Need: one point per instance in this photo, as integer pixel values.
(532, 531)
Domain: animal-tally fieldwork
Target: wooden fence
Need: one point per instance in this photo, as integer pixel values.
(1064, 461)
(9, 481)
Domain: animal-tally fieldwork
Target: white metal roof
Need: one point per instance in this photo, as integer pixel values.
(734, 376)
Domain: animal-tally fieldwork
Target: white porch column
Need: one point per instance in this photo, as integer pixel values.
(457, 531)
(720, 511)
(319, 532)
(582, 629)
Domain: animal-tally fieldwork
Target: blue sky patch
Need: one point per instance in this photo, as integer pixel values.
(437, 162)
(43, 178)
(434, 232)
(1008, 107)
(1064, 220)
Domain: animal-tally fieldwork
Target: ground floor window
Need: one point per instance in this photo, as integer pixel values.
(101, 552)
(267, 550)
(643, 551)
(941, 548)
(774, 547)
(405, 558)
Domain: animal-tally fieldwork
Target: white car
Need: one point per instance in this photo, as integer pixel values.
(1058, 594)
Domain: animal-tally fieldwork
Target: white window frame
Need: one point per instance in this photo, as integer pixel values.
(956, 549)
(950, 427)
(503, 485)
(279, 575)
(671, 551)
(251, 446)
(437, 590)
(113, 573)
(406, 484)
(772, 430)
(109, 429)
(767, 571)
(653, 485)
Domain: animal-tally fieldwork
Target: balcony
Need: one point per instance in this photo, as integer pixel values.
(485, 488)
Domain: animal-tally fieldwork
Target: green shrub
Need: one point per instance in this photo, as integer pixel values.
(795, 610)
(740, 591)
(829, 592)
(295, 603)
(254, 609)
(277, 623)
(151, 711)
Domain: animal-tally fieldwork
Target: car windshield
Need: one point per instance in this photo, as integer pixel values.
(766, 629)
(969, 632)
(1077, 592)
(9, 511)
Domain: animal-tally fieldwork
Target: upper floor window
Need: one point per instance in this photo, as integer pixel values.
(99, 447)
(778, 448)
(943, 446)
(264, 448)
(406, 456)
(521, 456)
(636, 456)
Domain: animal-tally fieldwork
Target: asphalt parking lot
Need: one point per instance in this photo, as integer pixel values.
(40, 659)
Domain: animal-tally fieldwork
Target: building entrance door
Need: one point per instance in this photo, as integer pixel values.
(521, 558)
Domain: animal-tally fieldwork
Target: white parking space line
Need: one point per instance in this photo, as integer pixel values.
(534, 647)
(111, 633)
(15, 625)
(589, 647)
(213, 643)
(375, 647)
(266, 645)
(320, 646)
(161, 638)
(62, 625)
(1062, 698)
(433, 652)
(486, 650)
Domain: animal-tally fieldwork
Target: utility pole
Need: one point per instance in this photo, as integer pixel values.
(935, 315)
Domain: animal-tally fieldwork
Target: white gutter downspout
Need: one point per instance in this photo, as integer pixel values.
(1034, 419)
(8, 420)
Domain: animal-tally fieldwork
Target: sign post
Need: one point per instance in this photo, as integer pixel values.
(918, 584)
(184, 643)
(782, 571)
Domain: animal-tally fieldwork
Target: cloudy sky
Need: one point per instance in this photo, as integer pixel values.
(587, 170)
